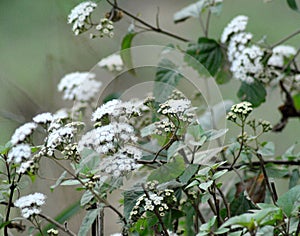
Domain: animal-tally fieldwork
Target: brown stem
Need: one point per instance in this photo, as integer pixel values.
(58, 225)
(286, 38)
(153, 28)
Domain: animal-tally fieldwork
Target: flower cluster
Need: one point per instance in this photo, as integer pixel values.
(266, 125)
(113, 62)
(30, 204)
(119, 110)
(43, 118)
(79, 86)
(23, 132)
(122, 162)
(164, 126)
(280, 54)
(153, 200)
(245, 60)
(106, 138)
(105, 28)
(80, 16)
(238, 24)
(240, 110)
(19, 153)
(52, 232)
(70, 152)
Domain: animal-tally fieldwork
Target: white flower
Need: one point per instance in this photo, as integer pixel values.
(30, 204)
(19, 153)
(248, 65)
(23, 132)
(112, 108)
(238, 24)
(112, 63)
(25, 166)
(61, 114)
(79, 16)
(105, 28)
(79, 86)
(279, 53)
(237, 44)
(43, 118)
(174, 106)
(104, 139)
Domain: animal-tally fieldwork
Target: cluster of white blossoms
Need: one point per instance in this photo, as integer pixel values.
(238, 24)
(240, 110)
(106, 138)
(19, 153)
(30, 204)
(172, 106)
(79, 86)
(113, 62)
(43, 118)
(164, 126)
(246, 60)
(105, 28)
(22, 133)
(155, 200)
(80, 15)
(118, 109)
(121, 162)
(280, 54)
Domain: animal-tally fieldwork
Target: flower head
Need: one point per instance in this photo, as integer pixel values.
(43, 118)
(79, 16)
(19, 153)
(112, 63)
(238, 24)
(240, 110)
(279, 54)
(23, 132)
(30, 204)
(79, 86)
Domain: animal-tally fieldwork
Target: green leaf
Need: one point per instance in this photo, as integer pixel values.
(290, 201)
(218, 174)
(148, 130)
(167, 77)
(59, 180)
(294, 178)
(126, 52)
(174, 148)
(86, 198)
(88, 221)
(246, 220)
(207, 52)
(130, 198)
(292, 4)
(240, 205)
(196, 131)
(192, 10)
(296, 99)
(189, 172)
(206, 185)
(254, 93)
(168, 171)
(267, 149)
(274, 171)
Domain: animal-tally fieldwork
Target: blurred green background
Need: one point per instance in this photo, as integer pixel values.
(37, 48)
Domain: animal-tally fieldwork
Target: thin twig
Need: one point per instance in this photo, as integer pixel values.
(153, 28)
(225, 202)
(58, 225)
(286, 38)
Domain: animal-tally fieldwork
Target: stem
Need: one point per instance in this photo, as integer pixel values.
(11, 194)
(286, 38)
(225, 202)
(153, 28)
(262, 165)
(257, 163)
(291, 61)
(241, 147)
(58, 225)
(207, 23)
(93, 192)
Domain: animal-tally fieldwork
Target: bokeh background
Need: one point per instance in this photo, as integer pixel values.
(37, 48)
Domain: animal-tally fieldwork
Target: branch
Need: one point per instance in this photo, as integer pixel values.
(58, 225)
(257, 163)
(153, 28)
(286, 38)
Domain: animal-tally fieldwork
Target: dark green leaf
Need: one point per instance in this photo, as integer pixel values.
(292, 4)
(240, 205)
(88, 221)
(167, 77)
(294, 178)
(207, 52)
(130, 198)
(168, 171)
(254, 93)
(290, 201)
(296, 99)
(126, 52)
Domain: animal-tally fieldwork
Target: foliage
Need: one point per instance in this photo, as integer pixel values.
(185, 181)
